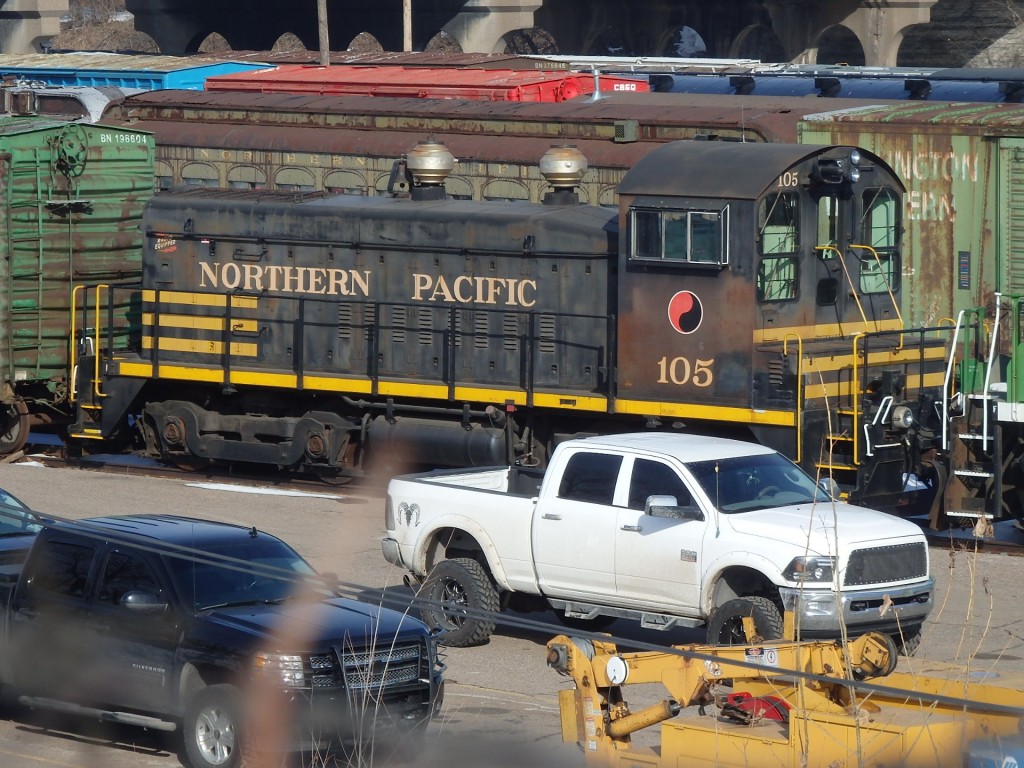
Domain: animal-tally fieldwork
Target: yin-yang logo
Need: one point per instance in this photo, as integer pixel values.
(685, 312)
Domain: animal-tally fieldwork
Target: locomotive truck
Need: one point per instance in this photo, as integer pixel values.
(739, 289)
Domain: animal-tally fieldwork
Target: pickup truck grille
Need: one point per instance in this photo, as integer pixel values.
(879, 565)
(368, 669)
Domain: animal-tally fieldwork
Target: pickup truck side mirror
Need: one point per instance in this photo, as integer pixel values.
(141, 601)
(829, 486)
(668, 506)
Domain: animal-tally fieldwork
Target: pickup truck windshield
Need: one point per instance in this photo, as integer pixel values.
(266, 574)
(746, 483)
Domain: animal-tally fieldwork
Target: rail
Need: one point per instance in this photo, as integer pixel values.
(824, 249)
(881, 273)
(799, 389)
(521, 337)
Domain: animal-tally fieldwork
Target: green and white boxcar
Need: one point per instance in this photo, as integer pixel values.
(963, 165)
(72, 195)
(963, 263)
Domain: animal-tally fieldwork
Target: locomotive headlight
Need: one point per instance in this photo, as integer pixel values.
(854, 173)
(902, 417)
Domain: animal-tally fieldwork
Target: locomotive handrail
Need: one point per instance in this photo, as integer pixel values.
(799, 390)
(72, 343)
(853, 289)
(885, 280)
(1013, 375)
(96, 365)
(989, 366)
(855, 381)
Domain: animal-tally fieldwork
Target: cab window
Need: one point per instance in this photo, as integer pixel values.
(652, 478)
(590, 477)
(696, 237)
(777, 273)
(880, 228)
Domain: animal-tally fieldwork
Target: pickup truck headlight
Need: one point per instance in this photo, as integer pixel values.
(811, 569)
(284, 668)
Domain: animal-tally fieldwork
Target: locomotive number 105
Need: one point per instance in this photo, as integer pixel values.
(789, 179)
(680, 371)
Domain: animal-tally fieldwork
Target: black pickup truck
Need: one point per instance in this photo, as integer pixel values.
(221, 632)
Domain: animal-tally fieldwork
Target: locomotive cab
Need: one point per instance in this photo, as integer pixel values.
(760, 287)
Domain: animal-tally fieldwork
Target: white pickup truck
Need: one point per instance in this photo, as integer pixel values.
(668, 529)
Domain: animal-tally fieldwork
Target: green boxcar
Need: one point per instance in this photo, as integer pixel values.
(963, 165)
(73, 195)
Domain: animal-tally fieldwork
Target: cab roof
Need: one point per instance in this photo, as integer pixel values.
(170, 529)
(683, 447)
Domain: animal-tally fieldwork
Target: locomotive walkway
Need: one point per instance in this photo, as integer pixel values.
(479, 26)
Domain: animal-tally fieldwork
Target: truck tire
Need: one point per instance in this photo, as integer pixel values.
(451, 587)
(212, 728)
(909, 641)
(725, 626)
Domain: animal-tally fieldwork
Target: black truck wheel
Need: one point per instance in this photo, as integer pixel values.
(726, 624)
(451, 587)
(212, 728)
(908, 640)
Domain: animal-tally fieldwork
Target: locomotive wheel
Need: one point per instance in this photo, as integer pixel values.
(14, 427)
(190, 463)
(332, 478)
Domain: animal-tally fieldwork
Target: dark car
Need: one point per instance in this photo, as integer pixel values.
(220, 630)
(18, 527)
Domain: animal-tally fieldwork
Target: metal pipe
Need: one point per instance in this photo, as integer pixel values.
(652, 715)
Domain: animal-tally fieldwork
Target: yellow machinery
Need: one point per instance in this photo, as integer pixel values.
(793, 704)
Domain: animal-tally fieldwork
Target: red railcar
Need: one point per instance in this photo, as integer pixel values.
(425, 82)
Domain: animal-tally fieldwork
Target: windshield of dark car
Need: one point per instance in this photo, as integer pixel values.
(255, 570)
(15, 517)
(746, 483)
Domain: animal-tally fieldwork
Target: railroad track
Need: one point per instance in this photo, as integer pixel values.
(53, 455)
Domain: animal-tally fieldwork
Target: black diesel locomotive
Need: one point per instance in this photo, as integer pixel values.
(752, 289)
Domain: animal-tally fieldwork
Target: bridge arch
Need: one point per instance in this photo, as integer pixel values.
(838, 44)
(527, 42)
(757, 41)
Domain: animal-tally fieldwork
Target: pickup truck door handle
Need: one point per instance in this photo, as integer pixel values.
(551, 516)
(635, 528)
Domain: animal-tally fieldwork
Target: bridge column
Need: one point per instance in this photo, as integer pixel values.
(172, 25)
(482, 24)
(879, 25)
(27, 24)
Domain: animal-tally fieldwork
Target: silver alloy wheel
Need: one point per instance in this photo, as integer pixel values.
(215, 734)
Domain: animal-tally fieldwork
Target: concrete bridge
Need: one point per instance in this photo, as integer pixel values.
(770, 30)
